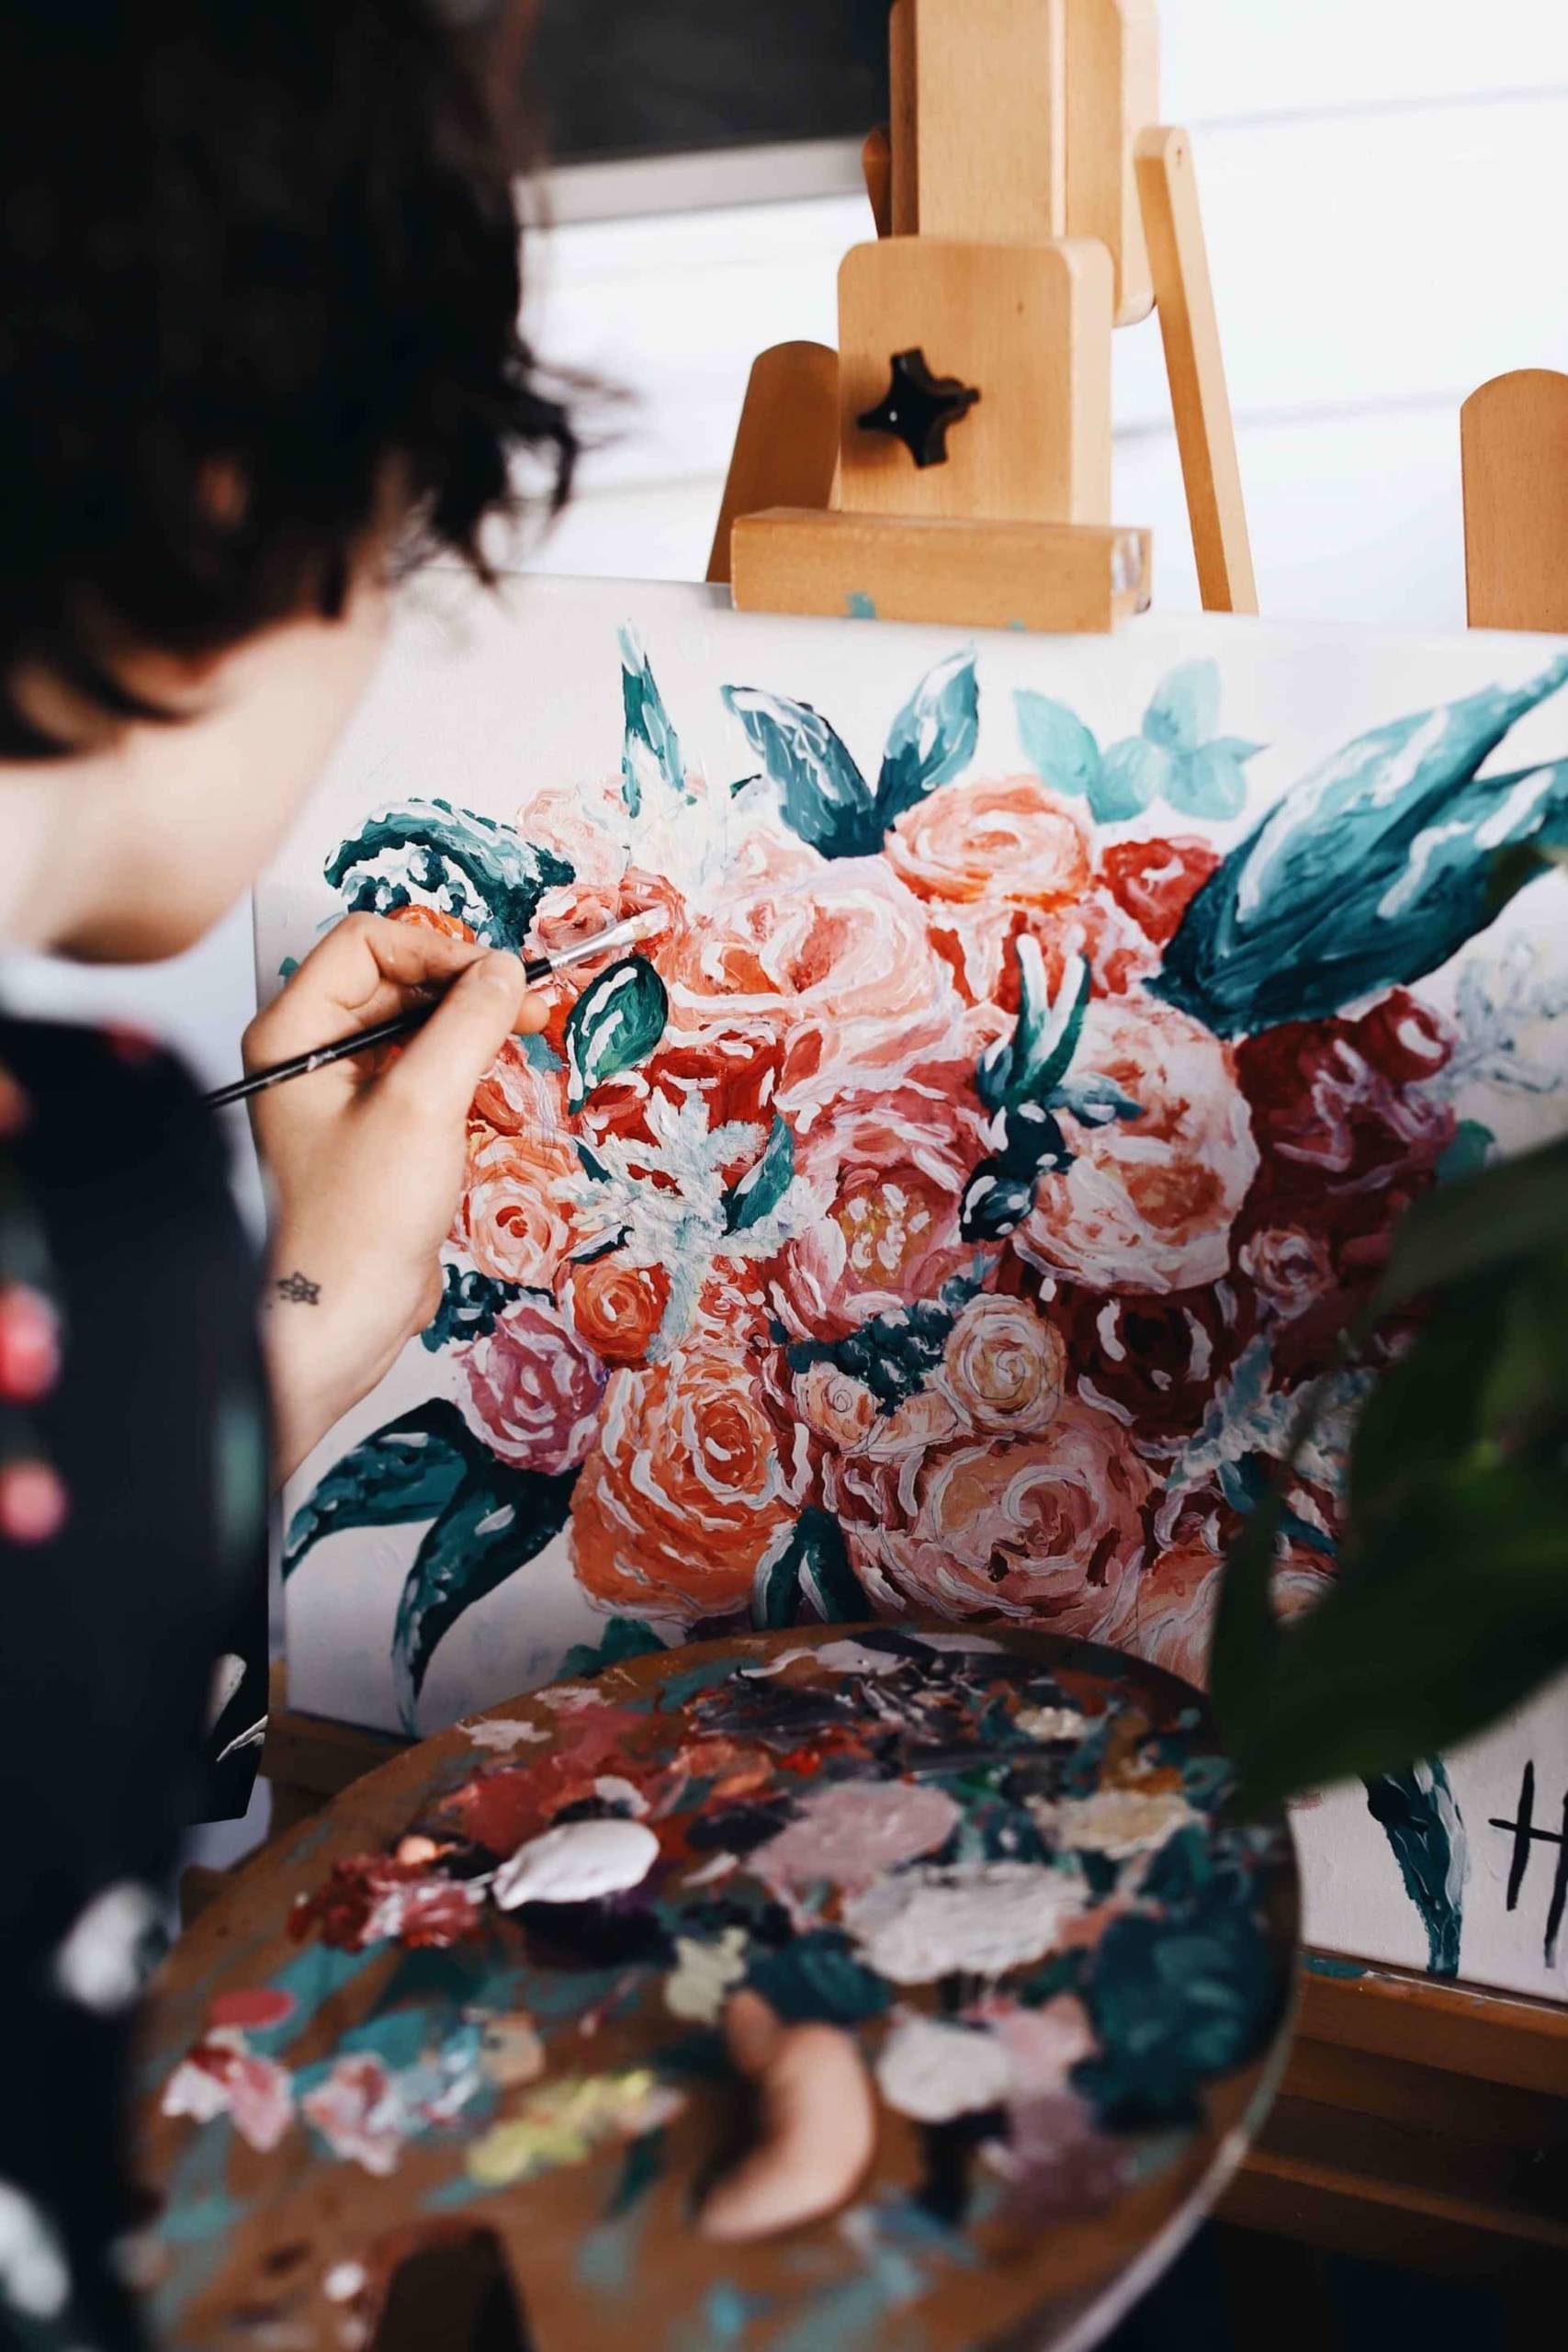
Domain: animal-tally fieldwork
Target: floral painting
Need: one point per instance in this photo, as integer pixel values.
(940, 1215)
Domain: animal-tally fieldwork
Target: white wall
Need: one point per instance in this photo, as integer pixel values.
(1384, 184)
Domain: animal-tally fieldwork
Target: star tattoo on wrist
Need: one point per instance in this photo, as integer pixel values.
(298, 1290)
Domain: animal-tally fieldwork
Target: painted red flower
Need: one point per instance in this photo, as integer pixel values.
(616, 1306)
(1349, 1133)
(1157, 881)
(1154, 1362)
(30, 1345)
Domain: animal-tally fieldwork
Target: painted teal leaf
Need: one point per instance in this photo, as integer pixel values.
(933, 738)
(1132, 777)
(1372, 872)
(811, 1577)
(1025, 1067)
(498, 1520)
(1185, 710)
(1469, 1152)
(1000, 1193)
(1093, 1101)
(825, 798)
(408, 1471)
(651, 751)
(1056, 743)
(1211, 782)
(761, 1190)
(1416, 1812)
(894, 1354)
(625, 1638)
(471, 1304)
(428, 853)
(614, 1025)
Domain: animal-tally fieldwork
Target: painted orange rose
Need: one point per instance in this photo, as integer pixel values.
(1149, 1202)
(616, 1307)
(846, 1416)
(1014, 840)
(517, 1098)
(512, 1222)
(1045, 1528)
(692, 1485)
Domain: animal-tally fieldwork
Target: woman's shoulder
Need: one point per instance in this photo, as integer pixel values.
(82, 1106)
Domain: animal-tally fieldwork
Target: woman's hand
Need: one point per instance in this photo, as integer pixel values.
(366, 1159)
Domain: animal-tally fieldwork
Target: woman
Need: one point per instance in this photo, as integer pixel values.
(258, 345)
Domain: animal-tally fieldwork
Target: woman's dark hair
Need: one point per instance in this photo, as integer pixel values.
(259, 263)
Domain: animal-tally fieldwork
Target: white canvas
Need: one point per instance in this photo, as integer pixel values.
(935, 1222)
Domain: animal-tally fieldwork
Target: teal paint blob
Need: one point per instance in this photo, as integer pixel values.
(1423, 1825)
(859, 606)
(198, 2219)
(1327, 1963)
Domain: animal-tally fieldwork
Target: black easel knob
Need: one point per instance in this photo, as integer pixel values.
(919, 408)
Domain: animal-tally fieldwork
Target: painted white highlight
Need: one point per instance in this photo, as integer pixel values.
(933, 2072)
(101, 1963)
(579, 1862)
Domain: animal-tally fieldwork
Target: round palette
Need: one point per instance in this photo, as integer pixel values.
(482, 2002)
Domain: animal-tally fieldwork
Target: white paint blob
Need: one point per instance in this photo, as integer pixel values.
(978, 1919)
(703, 1975)
(33, 2276)
(1117, 1823)
(500, 1737)
(344, 2281)
(839, 1657)
(107, 1956)
(933, 2072)
(579, 1862)
(1050, 1723)
(960, 1644)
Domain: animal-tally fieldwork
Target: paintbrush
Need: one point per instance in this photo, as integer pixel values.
(535, 970)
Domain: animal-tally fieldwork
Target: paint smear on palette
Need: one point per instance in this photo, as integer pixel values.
(1117, 1823)
(852, 1833)
(934, 2072)
(583, 1863)
(222, 2075)
(566, 2122)
(706, 1974)
(976, 1920)
(502, 1736)
(834, 1658)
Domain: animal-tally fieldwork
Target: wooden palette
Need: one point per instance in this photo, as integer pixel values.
(422, 2070)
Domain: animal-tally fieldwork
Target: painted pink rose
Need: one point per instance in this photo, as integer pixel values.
(514, 1222)
(837, 961)
(1290, 1269)
(532, 1391)
(1149, 1202)
(1049, 1529)
(692, 1481)
(892, 1175)
(586, 824)
(1004, 1367)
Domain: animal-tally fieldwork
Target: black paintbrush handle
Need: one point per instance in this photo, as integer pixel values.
(364, 1041)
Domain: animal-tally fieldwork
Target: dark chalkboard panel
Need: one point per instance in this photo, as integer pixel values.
(675, 77)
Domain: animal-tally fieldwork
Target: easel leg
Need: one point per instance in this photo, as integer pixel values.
(1205, 430)
(786, 451)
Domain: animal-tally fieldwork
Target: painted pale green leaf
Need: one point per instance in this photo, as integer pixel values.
(809, 1576)
(651, 751)
(614, 1025)
(1132, 774)
(408, 1471)
(1056, 743)
(825, 798)
(1373, 872)
(1210, 782)
(933, 739)
(761, 1190)
(428, 853)
(498, 1520)
(1185, 710)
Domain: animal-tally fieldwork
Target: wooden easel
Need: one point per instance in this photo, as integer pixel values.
(1026, 203)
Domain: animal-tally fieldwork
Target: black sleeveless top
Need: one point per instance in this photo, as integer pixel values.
(133, 1452)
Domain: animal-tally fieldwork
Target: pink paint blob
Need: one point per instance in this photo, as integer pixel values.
(33, 1504)
(853, 1832)
(253, 2009)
